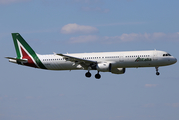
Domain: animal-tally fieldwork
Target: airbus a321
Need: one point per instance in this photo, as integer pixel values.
(114, 62)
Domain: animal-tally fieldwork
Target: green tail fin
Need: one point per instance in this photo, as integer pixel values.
(24, 51)
(20, 42)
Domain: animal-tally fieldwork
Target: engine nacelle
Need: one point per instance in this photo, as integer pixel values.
(118, 70)
(104, 67)
(107, 67)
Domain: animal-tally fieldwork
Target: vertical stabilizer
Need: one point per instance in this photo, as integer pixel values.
(21, 45)
(24, 51)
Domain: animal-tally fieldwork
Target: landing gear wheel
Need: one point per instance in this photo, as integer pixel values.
(97, 76)
(157, 73)
(88, 74)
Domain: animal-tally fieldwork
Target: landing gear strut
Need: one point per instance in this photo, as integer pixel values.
(157, 73)
(98, 76)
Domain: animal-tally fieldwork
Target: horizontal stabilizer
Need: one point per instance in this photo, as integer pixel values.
(20, 60)
(16, 60)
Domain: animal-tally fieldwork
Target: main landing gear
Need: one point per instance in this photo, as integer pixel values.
(88, 74)
(157, 73)
(97, 76)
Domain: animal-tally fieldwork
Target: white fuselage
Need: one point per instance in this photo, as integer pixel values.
(128, 59)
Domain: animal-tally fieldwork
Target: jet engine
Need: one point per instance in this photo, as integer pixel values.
(104, 67)
(118, 70)
(107, 67)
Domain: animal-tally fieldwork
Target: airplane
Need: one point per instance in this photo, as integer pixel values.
(114, 62)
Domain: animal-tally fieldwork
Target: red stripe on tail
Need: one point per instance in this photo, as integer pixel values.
(26, 56)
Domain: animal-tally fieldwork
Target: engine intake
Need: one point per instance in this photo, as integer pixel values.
(104, 67)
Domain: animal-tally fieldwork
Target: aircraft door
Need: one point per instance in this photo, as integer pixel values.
(155, 56)
(121, 58)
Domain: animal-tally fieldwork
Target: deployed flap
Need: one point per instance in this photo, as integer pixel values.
(83, 62)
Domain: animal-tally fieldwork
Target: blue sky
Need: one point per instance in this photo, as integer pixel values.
(75, 26)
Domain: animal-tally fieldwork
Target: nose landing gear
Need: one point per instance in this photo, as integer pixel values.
(157, 73)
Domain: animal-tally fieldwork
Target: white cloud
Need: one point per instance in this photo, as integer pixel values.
(75, 28)
(10, 1)
(29, 97)
(61, 95)
(150, 85)
(142, 37)
(174, 105)
(132, 37)
(83, 39)
(121, 23)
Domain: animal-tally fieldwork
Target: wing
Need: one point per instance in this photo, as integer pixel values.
(79, 61)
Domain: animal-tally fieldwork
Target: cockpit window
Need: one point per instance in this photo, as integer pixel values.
(166, 54)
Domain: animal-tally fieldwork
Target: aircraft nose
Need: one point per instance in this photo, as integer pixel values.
(175, 60)
(172, 60)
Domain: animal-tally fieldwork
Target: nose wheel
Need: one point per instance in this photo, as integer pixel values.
(157, 73)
